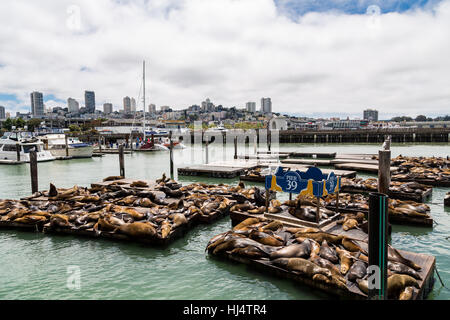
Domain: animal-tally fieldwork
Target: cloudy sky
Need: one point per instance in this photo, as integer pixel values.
(312, 57)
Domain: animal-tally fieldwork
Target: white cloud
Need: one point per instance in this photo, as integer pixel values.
(231, 51)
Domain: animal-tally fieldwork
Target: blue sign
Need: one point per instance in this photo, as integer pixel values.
(312, 182)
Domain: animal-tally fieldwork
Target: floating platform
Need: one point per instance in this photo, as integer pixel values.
(37, 227)
(340, 173)
(327, 155)
(426, 262)
(362, 161)
(227, 169)
(428, 182)
(422, 197)
(319, 162)
(360, 167)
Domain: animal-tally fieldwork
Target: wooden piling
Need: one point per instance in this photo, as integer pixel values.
(34, 171)
(206, 150)
(318, 211)
(100, 143)
(267, 200)
(121, 161)
(18, 151)
(378, 248)
(67, 145)
(384, 171)
(235, 148)
(171, 154)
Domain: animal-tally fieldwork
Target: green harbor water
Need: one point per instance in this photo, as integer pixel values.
(34, 265)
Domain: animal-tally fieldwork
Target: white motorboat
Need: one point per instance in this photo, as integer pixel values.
(16, 146)
(56, 144)
(176, 144)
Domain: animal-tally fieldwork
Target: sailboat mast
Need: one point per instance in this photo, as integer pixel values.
(143, 84)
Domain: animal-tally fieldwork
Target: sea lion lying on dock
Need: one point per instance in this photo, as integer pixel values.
(302, 250)
(302, 266)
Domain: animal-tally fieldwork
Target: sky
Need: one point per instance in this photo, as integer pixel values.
(312, 57)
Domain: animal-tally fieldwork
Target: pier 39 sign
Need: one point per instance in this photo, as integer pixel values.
(312, 182)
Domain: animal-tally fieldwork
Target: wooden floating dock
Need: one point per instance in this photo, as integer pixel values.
(327, 155)
(426, 262)
(319, 162)
(428, 182)
(422, 197)
(227, 169)
(360, 167)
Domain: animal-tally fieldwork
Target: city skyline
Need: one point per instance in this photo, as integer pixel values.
(344, 58)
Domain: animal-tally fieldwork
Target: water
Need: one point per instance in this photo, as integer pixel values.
(34, 265)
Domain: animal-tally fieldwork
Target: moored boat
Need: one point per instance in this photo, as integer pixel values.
(16, 146)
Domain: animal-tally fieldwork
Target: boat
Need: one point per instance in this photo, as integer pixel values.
(56, 144)
(219, 128)
(26, 142)
(176, 144)
(149, 144)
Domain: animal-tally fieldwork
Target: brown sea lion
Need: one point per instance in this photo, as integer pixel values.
(139, 184)
(138, 229)
(249, 252)
(398, 267)
(398, 282)
(247, 222)
(302, 230)
(363, 285)
(324, 263)
(273, 225)
(31, 219)
(112, 178)
(302, 250)
(395, 256)
(406, 294)
(301, 265)
(350, 245)
(357, 271)
(349, 224)
(165, 229)
(60, 220)
(346, 260)
(320, 236)
(53, 192)
(333, 281)
(266, 238)
(328, 253)
(237, 242)
(178, 220)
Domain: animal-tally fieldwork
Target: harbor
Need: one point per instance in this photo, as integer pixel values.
(148, 167)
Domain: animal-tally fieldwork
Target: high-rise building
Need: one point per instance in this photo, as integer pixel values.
(251, 106)
(152, 108)
(207, 105)
(37, 104)
(89, 101)
(127, 104)
(107, 108)
(266, 105)
(133, 105)
(73, 105)
(370, 115)
(2, 112)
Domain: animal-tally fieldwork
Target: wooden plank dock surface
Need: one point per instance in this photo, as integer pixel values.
(319, 162)
(417, 197)
(428, 182)
(360, 167)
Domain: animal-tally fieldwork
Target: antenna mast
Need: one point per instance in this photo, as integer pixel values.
(143, 83)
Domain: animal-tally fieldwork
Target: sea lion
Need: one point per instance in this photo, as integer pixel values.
(31, 219)
(406, 294)
(346, 260)
(266, 238)
(324, 263)
(132, 212)
(320, 236)
(165, 228)
(333, 281)
(294, 230)
(52, 191)
(315, 247)
(398, 282)
(363, 285)
(302, 250)
(249, 252)
(273, 225)
(139, 184)
(398, 267)
(349, 224)
(178, 220)
(242, 207)
(112, 178)
(305, 213)
(246, 223)
(357, 271)
(328, 253)
(60, 220)
(350, 245)
(138, 229)
(395, 256)
(237, 242)
(302, 266)
(259, 210)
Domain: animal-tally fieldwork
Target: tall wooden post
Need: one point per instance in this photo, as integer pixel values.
(171, 154)
(269, 140)
(267, 200)
(206, 150)
(378, 249)
(318, 210)
(18, 151)
(337, 201)
(34, 171)
(99, 143)
(67, 145)
(384, 171)
(235, 148)
(121, 161)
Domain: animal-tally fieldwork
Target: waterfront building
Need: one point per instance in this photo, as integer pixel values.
(73, 105)
(251, 107)
(266, 105)
(370, 115)
(89, 101)
(278, 123)
(107, 108)
(2, 112)
(37, 104)
(127, 104)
